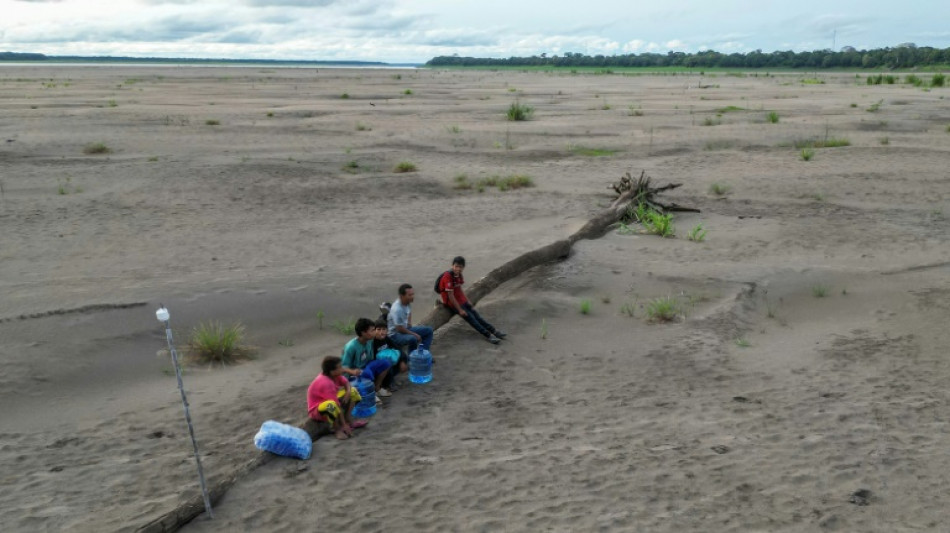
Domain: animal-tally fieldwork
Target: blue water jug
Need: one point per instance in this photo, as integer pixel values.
(367, 406)
(420, 365)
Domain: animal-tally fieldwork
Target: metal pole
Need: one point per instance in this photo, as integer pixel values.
(163, 316)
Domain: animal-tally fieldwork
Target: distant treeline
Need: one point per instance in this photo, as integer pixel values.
(904, 56)
(21, 56)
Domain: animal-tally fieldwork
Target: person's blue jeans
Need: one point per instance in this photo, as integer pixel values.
(410, 340)
(475, 320)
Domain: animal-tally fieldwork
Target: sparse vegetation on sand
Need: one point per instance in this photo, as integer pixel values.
(592, 152)
(518, 111)
(405, 166)
(96, 148)
(503, 183)
(719, 189)
(831, 142)
(212, 122)
(584, 307)
(345, 326)
(806, 154)
(697, 234)
(819, 291)
(772, 117)
(658, 223)
(213, 342)
(663, 309)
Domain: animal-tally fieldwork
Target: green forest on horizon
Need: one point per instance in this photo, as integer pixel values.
(904, 56)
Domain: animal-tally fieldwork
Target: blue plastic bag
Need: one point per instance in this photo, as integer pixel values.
(283, 439)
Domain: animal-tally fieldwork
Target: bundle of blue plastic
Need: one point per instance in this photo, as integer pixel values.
(283, 439)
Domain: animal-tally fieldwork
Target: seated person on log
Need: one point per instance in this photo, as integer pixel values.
(330, 399)
(384, 348)
(453, 297)
(399, 320)
(359, 358)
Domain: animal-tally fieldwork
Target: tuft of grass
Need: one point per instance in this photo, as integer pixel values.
(320, 316)
(854, 104)
(344, 96)
(742, 343)
(697, 234)
(875, 107)
(819, 291)
(662, 309)
(830, 142)
(461, 182)
(518, 111)
(584, 307)
(405, 166)
(629, 309)
(153, 159)
(709, 121)
(885, 140)
(813, 81)
(454, 129)
(212, 122)
(113, 103)
(407, 92)
(624, 229)
(515, 181)
(363, 127)
(213, 342)
(772, 117)
(270, 113)
(729, 109)
(719, 189)
(938, 80)
(635, 111)
(807, 154)
(351, 166)
(544, 329)
(96, 148)
(286, 342)
(346, 326)
(659, 224)
(592, 152)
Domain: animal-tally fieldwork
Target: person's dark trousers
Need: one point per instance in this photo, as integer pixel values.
(475, 320)
(393, 371)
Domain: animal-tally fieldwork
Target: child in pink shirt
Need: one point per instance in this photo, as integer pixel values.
(330, 398)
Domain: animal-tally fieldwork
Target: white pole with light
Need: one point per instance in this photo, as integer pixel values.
(163, 316)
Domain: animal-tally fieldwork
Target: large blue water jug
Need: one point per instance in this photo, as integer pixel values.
(367, 406)
(420, 365)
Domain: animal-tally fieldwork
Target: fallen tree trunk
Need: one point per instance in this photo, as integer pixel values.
(557, 250)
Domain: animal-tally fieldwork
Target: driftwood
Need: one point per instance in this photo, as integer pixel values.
(557, 250)
(438, 317)
(644, 194)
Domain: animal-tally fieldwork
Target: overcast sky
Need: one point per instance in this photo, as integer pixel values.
(417, 30)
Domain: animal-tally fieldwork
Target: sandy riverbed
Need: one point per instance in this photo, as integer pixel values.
(262, 195)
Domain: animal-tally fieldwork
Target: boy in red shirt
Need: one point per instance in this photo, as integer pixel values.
(453, 297)
(330, 398)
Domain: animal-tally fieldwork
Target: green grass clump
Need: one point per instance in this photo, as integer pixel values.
(830, 142)
(515, 181)
(709, 121)
(912, 79)
(807, 154)
(729, 108)
(461, 182)
(719, 189)
(270, 113)
(407, 92)
(351, 166)
(345, 96)
(697, 234)
(742, 343)
(772, 117)
(454, 129)
(96, 148)
(875, 107)
(405, 166)
(659, 224)
(592, 152)
(518, 111)
(938, 80)
(584, 307)
(213, 342)
(363, 127)
(346, 326)
(212, 122)
(663, 309)
(812, 81)
(819, 291)
(113, 103)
